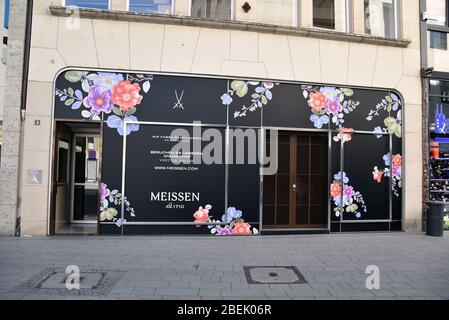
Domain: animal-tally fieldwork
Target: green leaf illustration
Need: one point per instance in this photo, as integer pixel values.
(69, 102)
(73, 76)
(240, 87)
(130, 112)
(347, 92)
(264, 100)
(117, 110)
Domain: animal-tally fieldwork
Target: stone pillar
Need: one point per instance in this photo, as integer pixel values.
(12, 126)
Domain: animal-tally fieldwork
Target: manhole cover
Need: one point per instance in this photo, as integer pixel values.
(52, 281)
(273, 275)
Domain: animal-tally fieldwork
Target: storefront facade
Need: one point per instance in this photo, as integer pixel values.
(114, 97)
(437, 86)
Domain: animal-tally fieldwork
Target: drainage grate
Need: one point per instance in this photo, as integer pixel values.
(273, 275)
(52, 281)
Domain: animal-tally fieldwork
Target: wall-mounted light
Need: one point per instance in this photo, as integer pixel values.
(246, 7)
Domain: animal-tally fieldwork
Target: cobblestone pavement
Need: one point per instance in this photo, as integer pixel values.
(412, 266)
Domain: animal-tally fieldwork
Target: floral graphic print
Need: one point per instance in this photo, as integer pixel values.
(106, 93)
(262, 94)
(232, 222)
(393, 122)
(345, 134)
(109, 202)
(352, 200)
(395, 174)
(329, 104)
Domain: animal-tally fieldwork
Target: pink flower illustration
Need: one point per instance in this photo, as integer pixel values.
(317, 101)
(335, 189)
(397, 160)
(241, 228)
(202, 214)
(377, 174)
(126, 95)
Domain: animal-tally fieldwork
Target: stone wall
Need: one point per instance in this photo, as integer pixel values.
(12, 125)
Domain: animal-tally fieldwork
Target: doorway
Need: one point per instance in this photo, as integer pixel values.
(296, 197)
(85, 178)
(76, 178)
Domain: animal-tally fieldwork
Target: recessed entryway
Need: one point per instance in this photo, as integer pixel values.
(76, 178)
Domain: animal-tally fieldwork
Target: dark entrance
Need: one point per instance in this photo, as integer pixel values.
(76, 177)
(296, 197)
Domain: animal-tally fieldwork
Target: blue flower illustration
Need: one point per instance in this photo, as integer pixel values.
(226, 99)
(338, 177)
(115, 122)
(319, 121)
(231, 214)
(378, 132)
(106, 81)
(386, 159)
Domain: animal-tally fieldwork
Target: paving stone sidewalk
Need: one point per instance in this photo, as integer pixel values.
(412, 266)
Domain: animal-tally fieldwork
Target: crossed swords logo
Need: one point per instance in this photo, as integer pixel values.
(178, 104)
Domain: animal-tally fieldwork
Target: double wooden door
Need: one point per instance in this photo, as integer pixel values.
(296, 197)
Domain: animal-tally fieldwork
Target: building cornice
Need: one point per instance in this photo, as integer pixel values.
(118, 15)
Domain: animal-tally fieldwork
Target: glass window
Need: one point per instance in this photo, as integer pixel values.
(438, 40)
(437, 12)
(439, 88)
(380, 18)
(329, 14)
(211, 9)
(96, 4)
(148, 6)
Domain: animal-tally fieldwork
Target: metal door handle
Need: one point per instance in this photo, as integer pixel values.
(294, 187)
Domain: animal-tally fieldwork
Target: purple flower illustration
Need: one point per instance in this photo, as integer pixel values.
(104, 192)
(268, 85)
(396, 171)
(333, 105)
(115, 122)
(98, 101)
(348, 192)
(223, 231)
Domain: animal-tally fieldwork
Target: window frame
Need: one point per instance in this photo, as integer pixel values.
(233, 6)
(437, 27)
(64, 3)
(173, 3)
(348, 19)
(296, 12)
(396, 14)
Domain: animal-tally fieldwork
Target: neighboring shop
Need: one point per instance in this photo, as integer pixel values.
(439, 141)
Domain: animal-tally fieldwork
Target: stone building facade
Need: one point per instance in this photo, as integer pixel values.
(284, 46)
